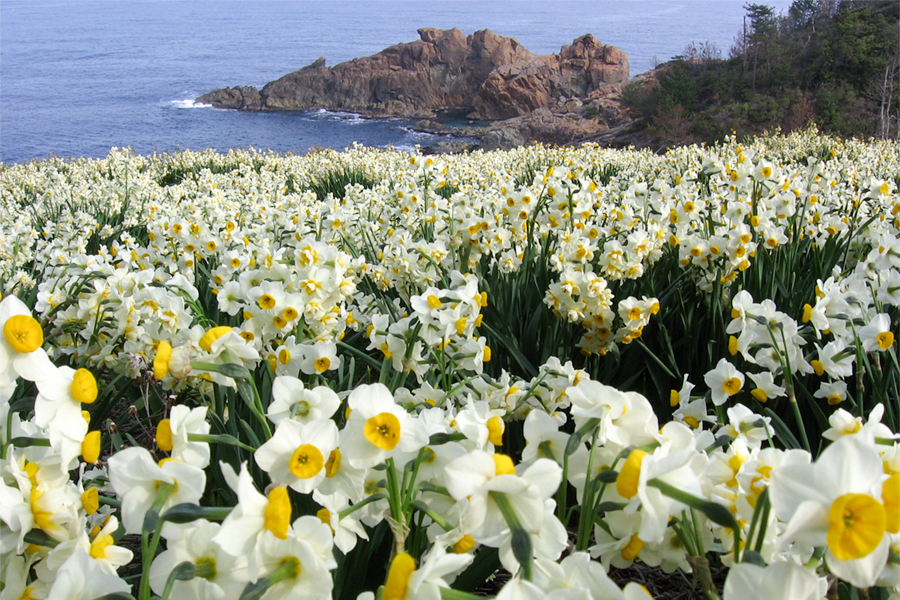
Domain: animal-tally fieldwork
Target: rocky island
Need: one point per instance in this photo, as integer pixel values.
(558, 98)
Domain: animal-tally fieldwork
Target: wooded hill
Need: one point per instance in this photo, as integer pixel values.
(835, 63)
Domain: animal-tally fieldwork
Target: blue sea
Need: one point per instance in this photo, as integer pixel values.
(78, 77)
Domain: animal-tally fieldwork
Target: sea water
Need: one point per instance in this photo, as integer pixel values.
(78, 77)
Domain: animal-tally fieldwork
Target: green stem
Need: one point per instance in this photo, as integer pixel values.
(219, 439)
(409, 487)
(715, 512)
(792, 396)
(349, 511)
(760, 520)
(451, 594)
(686, 540)
(110, 501)
(586, 516)
(288, 569)
(521, 540)
(183, 572)
(395, 500)
(148, 546)
(563, 492)
(421, 506)
(816, 558)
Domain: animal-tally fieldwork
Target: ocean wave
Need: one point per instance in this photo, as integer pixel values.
(348, 118)
(188, 103)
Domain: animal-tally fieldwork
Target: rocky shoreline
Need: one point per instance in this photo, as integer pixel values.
(564, 98)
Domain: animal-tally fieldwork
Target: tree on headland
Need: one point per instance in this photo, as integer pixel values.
(762, 26)
(829, 62)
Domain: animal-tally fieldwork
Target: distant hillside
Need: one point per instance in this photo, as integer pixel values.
(835, 63)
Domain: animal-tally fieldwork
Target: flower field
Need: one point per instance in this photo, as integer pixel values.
(378, 375)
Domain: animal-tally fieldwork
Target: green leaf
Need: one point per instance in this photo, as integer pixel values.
(513, 348)
(486, 563)
(25, 442)
(784, 432)
(251, 435)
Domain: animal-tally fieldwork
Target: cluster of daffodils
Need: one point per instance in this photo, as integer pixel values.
(41, 502)
(441, 328)
(437, 475)
(328, 381)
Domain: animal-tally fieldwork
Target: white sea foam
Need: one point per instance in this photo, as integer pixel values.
(189, 103)
(347, 118)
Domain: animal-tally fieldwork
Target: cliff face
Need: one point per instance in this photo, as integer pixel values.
(494, 76)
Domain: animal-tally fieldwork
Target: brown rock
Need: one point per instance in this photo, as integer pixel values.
(579, 69)
(243, 98)
(492, 74)
(540, 125)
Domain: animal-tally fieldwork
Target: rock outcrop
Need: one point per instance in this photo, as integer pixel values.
(493, 75)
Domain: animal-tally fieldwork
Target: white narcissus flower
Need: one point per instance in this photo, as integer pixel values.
(519, 589)
(618, 544)
(747, 581)
(135, 477)
(297, 453)
(834, 392)
(766, 388)
(878, 334)
(472, 478)
(724, 381)
(426, 581)
(182, 422)
(225, 345)
(672, 466)
(346, 530)
(764, 172)
(41, 496)
(594, 400)
(744, 424)
(55, 397)
(58, 411)
(429, 305)
(303, 559)
(16, 571)
(543, 438)
(82, 578)
(291, 400)
(837, 502)
(844, 423)
(481, 424)
(577, 576)
(100, 545)
(253, 518)
(835, 359)
(21, 354)
(319, 358)
(626, 418)
(378, 428)
(216, 569)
